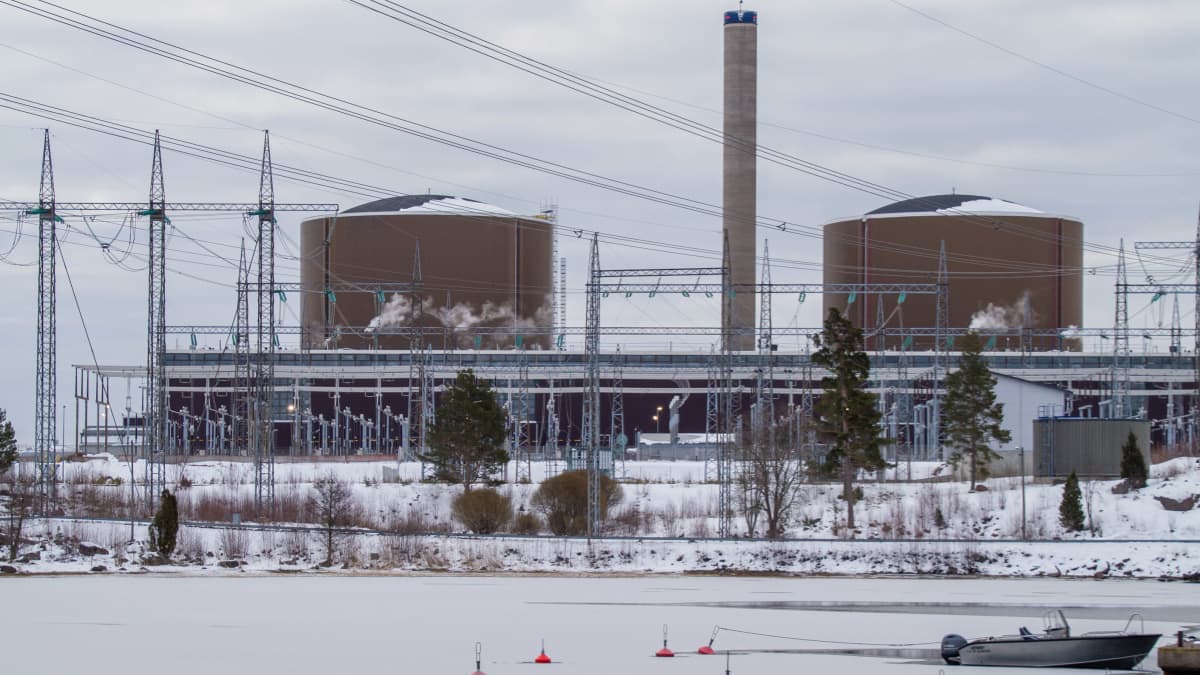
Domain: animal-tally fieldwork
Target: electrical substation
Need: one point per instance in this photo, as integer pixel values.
(399, 294)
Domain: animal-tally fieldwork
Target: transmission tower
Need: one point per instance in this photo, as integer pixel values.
(591, 398)
(1120, 365)
(264, 375)
(550, 453)
(616, 428)
(47, 333)
(428, 410)
(242, 403)
(520, 410)
(712, 417)
(156, 407)
(728, 443)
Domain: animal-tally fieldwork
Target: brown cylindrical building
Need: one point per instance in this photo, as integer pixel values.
(478, 266)
(740, 185)
(1010, 267)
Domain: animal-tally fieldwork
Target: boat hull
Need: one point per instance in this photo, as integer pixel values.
(1122, 652)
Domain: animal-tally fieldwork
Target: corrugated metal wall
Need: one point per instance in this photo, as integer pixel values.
(1089, 447)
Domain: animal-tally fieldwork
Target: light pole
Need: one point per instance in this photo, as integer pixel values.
(657, 415)
(1021, 453)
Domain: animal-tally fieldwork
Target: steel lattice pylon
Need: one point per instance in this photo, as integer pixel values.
(520, 410)
(591, 399)
(1120, 364)
(242, 404)
(47, 332)
(616, 428)
(264, 361)
(156, 406)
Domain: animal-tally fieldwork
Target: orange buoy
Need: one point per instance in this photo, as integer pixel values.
(664, 651)
(542, 658)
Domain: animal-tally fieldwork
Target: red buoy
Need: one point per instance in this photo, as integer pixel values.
(707, 649)
(542, 658)
(664, 651)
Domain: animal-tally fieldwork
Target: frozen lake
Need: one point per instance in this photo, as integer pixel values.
(322, 625)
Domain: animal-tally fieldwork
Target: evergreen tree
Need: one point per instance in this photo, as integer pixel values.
(8, 443)
(971, 416)
(164, 530)
(1070, 511)
(1133, 464)
(466, 441)
(849, 416)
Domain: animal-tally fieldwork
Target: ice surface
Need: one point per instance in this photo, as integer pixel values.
(312, 625)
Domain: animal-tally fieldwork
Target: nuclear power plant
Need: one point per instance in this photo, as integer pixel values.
(397, 295)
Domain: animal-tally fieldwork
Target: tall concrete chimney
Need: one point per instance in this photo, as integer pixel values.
(739, 198)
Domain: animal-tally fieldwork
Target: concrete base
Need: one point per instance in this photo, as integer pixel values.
(1179, 660)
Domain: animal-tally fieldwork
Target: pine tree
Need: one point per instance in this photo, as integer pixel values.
(466, 441)
(849, 416)
(8, 443)
(164, 530)
(1070, 511)
(971, 416)
(1133, 464)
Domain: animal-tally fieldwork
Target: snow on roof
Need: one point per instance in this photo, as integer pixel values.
(953, 203)
(989, 205)
(427, 205)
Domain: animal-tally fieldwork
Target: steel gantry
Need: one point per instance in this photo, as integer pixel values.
(652, 281)
(49, 212)
(1194, 290)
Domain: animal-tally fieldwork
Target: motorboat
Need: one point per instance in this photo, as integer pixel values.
(1054, 647)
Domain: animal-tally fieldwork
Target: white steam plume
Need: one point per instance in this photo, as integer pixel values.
(1017, 315)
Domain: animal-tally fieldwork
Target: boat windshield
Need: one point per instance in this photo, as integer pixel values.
(1055, 624)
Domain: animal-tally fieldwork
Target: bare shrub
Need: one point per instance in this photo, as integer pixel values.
(235, 543)
(482, 511)
(526, 522)
(295, 544)
(670, 519)
(400, 550)
(415, 521)
(189, 544)
(563, 500)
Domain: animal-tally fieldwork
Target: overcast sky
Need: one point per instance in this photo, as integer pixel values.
(867, 87)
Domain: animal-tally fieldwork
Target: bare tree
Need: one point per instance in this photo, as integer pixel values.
(771, 472)
(332, 502)
(22, 492)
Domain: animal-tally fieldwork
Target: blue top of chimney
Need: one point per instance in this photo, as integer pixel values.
(740, 16)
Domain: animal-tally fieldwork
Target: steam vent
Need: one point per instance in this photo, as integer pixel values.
(1010, 267)
(479, 266)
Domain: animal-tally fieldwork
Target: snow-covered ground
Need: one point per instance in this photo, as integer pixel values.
(365, 624)
(664, 524)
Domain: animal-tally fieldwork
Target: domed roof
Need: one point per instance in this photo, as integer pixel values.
(952, 204)
(429, 204)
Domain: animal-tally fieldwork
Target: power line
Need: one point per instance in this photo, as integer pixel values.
(1046, 66)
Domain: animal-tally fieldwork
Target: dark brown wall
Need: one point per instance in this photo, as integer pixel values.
(465, 260)
(991, 259)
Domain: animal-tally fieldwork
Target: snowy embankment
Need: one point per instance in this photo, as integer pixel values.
(664, 524)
